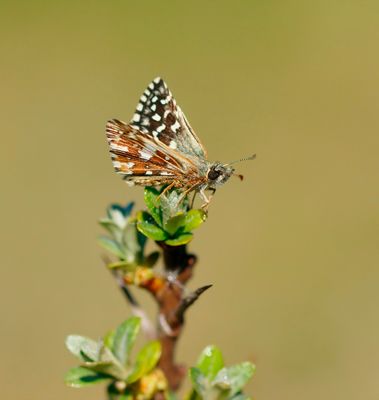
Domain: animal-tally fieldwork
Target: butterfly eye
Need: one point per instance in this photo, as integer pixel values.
(213, 174)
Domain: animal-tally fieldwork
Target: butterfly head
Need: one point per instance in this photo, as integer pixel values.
(218, 174)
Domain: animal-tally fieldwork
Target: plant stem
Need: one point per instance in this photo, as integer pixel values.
(173, 302)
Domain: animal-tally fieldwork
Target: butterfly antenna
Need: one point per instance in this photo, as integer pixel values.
(252, 157)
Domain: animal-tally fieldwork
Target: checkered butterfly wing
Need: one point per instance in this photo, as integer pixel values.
(138, 158)
(158, 146)
(157, 114)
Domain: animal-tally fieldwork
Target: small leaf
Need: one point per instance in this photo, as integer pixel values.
(132, 244)
(107, 368)
(119, 210)
(110, 226)
(210, 362)
(84, 348)
(141, 239)
(193, 219)
(172, 203)
(234, 377)
(125, 265)
(109, 361)
(184, 238)
(79, 376)
(174, 224)
(152, 202)
(147, 358)
(147, 226)
(151, 259)
(109, 339)
(199, 381)
(152, 231)
(112, 246)
(124, 338)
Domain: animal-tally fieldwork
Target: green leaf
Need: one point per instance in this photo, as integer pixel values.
(124, 338)
(151, 259)
(108, 360)
(193, 219)
(172, 204)
(210, 362)
(181, 239)
(130, 241)
(84, 348)
(147, 358)
(107, 368)
(125, 265)
(152, 202)
(109, 339)
(110, 226)
(112, 246)
(147, 226)
(174, 224)
(234, 377)
(199, 381)
(80, 376)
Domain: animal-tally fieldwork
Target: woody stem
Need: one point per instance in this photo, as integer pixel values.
(173, 302)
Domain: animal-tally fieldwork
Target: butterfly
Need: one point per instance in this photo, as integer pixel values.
(158, 147)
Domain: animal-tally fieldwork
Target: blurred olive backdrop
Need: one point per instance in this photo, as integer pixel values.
(292, 251)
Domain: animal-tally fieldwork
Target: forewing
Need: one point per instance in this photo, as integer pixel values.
(158, 115)
(141, 159)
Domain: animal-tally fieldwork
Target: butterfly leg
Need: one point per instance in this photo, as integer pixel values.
(184, 194)
(193, 199)
(166, 189)
(205, 199)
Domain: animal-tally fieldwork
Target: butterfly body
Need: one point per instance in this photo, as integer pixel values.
(159, 147)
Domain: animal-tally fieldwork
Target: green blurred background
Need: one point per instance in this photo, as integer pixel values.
(292, 251)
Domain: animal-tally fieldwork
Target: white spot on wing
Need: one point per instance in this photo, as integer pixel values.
(148, 173)
(136, 117)
(153, 107)
(173, 145)
(161, 128)
(139, 107)
(154, 99)
(175, 126)
(157, 79)
(156, 117)
(116, 146)
(130, 164)
(144, 155)
(143, 98)
(151, 86)
(165, 173)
